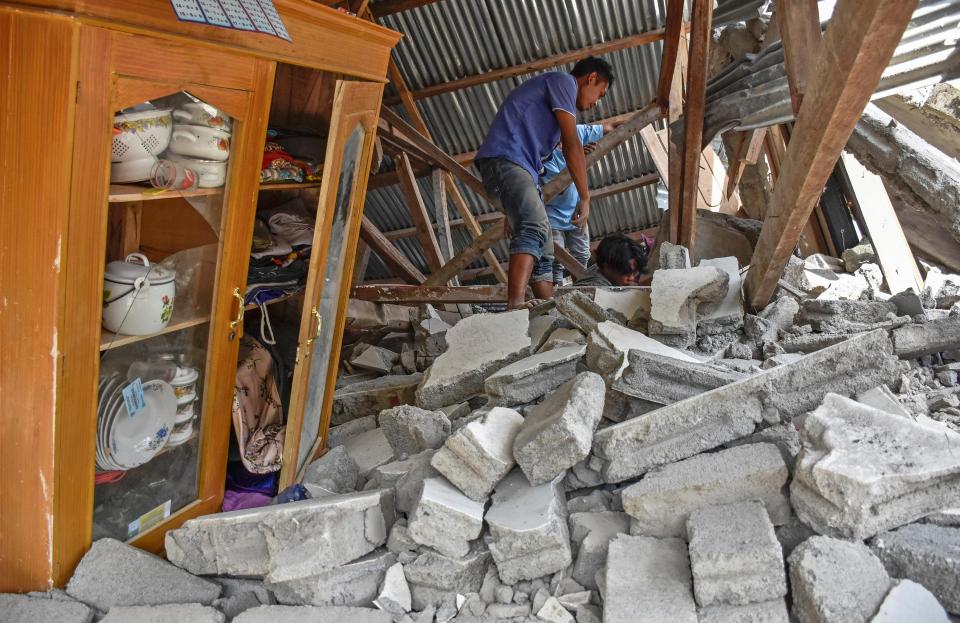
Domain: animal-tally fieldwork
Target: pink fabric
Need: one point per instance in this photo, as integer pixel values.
(237, 500)
(257, 412)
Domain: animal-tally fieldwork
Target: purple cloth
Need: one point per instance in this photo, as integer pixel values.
(239, 478)
(525, 130)
(237, 500)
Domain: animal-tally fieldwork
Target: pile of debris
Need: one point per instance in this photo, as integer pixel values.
(635, 455)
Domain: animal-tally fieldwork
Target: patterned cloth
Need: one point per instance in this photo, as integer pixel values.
(257, 411)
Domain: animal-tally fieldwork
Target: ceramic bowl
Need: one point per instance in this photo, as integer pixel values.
(197, 141)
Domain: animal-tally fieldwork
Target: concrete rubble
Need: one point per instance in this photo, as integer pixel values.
(636, 454)
(480, 454)
(558, 433)
(661, 503)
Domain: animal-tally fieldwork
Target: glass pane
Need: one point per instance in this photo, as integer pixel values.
(329, 297)
(170, 164)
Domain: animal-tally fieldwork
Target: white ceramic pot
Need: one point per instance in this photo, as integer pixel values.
(211, 173)
(140, 134)
(198, 113)
(132, 171)
(137, 297)
(185, 385)
(197, 141)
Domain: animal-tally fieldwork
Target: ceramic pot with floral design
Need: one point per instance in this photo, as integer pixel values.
(137, 297)
(198, 141)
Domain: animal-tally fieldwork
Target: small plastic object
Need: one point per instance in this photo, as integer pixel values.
(293, 493)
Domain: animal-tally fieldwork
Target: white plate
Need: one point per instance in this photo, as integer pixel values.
(108, 387)
(135, 440)
(110, 412)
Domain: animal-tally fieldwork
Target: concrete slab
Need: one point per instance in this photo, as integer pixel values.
(286, 541)
(313, 614)
(609, 344)
(445, 519)
(676, 295)
(27, 609)
(909, 601)
(558, 433)
(102, 579)
(728, 313)
(333, 473)
(862, 471)
(181, 613)
(647, 580)
(433, 576)
(411, 430)
(533, 377)
(581, 310)
(774, 611)
(665, 380)
(478, 346)
(355, 583)
(369, 450)
(661, 503)
(362, 399)
(927, 554)
(592, 533)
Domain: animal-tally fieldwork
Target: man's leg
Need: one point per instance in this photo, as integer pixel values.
(558, 241)
(578, 243)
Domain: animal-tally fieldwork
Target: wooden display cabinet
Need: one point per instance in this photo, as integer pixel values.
(69, 66)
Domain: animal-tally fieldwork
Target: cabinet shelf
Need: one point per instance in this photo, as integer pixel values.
(109, 340)
(120, 193)
(279, 299)
(288, 185)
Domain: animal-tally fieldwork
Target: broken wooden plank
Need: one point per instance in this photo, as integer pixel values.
(442, 216)
(693, 110)
(418, 213)
(391, 256)
(799, 22)
(673, 33)
(746, 151)
(625, 186)
(886, 235)
(361, 263)
(858, 44)
(575, 268)
(472, 223)
(436, 295)
(467, 256)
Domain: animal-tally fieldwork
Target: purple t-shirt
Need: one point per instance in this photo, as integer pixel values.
(525, 130)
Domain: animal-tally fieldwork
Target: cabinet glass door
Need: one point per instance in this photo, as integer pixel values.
(347, 163)
(169, 178)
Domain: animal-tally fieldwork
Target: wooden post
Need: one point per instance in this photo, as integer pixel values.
(700, 34)
(858, 45)
(467, 256)
(418, 212)
(393, 258)
(668, 59)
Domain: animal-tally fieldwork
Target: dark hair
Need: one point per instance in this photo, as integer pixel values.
(587, 66)
(615, 252)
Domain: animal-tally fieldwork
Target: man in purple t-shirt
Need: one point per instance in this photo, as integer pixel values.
(530, 122)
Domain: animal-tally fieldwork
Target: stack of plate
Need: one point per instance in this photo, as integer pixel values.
(125, 442)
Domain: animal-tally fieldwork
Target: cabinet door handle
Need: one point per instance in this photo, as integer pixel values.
(316, 314)
(236, 322)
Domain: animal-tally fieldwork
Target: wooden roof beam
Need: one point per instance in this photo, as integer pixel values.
(671, 45)
(799, 23)
(391, 256)
(857, 46)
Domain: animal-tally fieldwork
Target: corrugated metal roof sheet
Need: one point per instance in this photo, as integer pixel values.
(451, 39)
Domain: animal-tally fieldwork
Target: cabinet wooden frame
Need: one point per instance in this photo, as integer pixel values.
(69, 66)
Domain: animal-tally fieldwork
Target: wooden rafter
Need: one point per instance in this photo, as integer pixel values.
(418, 214)
(700, 35)
(389, 7)
(391, 256)
(625, 186)
(671, 46)
(799, 22)
(858, 44)
(468, 255)
(548, 62)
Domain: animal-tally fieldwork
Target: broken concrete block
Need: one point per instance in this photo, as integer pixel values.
(734, 555)
(553, 612)
(241, 586)
(411, 430)
(369, 450)
(581, 310)
(927, 554)
(609, 344)
(675, 296)
(362, 399)
(232, 606)
(916, 340)
(337, 435)
(373, 358)
(909, 601)
(313, 614)
(102, 579)
(862, 471)
(540, 329)
(286, 541)
(445, 519)
(563, 337)
(432, 575)
(480, 454)
(827, 316)
(528, 529)
(394, 596)
(674, 256)
(774, 611)
(727, 315)
(416, 469)
(27, 609)
(785, 436)
(355, 583)
(775, 317)
(648, 581)
(333, 473)
(531, 378)
(781, 360)
(665, 380)
(628, 302)
(592, 533)
(834, 581)
(557, 433)
(181, 613)
(884, 399)
(478, 346)
(661, 503)
(732, 411)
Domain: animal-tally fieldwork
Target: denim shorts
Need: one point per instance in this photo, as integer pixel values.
(518, 195)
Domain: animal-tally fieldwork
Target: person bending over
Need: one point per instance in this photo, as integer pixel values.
(620, 262)
(524, 132)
